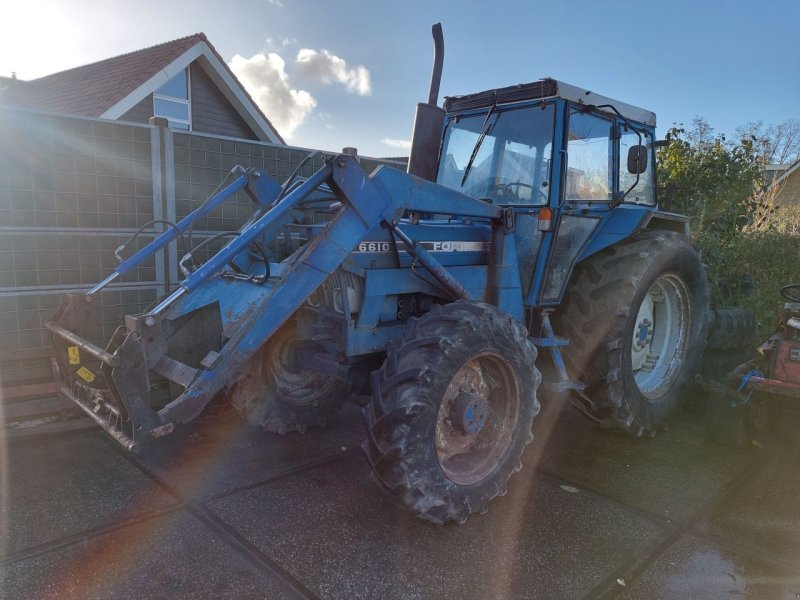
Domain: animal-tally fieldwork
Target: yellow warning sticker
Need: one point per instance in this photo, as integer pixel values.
(86, 374)
(74, 355)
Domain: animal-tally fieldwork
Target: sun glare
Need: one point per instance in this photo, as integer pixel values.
(36, 38)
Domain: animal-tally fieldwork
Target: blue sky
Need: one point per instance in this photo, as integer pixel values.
(730, 62)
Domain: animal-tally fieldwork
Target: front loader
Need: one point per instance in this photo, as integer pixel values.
(528, 220)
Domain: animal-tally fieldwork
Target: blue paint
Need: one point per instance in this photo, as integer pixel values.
(372, 231)
(641, 335)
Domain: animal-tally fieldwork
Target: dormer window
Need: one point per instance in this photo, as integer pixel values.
(172, 101)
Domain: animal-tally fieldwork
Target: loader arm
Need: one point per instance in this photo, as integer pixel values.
(115, 392)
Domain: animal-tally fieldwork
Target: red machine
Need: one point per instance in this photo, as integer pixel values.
(776, 366)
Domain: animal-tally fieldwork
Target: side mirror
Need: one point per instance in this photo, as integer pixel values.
(637, 159)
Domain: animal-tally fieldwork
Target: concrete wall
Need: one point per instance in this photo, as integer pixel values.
(73, 189)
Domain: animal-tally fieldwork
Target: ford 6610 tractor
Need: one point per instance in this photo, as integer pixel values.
(528, 219)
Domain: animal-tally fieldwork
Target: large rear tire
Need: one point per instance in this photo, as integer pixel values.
(636, 316)
(279, 397)
(452, 410)
(732, 328)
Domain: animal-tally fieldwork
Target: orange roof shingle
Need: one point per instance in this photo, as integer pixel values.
(92, 89)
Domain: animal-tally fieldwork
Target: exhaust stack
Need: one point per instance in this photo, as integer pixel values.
(438, 61)
(429, 119)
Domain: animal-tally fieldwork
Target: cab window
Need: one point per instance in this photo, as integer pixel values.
(589, 158)
(642, 192)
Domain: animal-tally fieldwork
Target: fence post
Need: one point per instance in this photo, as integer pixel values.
(164, 197)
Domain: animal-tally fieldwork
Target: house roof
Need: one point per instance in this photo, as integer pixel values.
(791, 168)
(108, 88)
(92, 89)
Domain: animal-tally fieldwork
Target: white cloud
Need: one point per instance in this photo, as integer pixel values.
(326, 67)
(277, 3)
(276, 44)
(264, 76)
(395, 143)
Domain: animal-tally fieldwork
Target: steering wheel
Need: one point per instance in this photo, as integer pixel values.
(791, 292)
(506, 193)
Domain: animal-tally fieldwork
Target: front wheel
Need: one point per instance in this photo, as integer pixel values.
(279, 396)
(637, 316)
(452, 410)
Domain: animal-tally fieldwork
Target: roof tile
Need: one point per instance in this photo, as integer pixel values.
(92, 89)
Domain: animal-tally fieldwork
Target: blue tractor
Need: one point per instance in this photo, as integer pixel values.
(528, 219)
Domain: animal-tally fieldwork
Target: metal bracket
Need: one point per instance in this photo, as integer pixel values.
(508, 219)
(210, 360)
(550, 342)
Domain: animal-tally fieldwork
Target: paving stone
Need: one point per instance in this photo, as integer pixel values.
(335, 531)
(216, 454)
(54, 486)
(173, 556)
(674, 474)
(763, 515)
(333, 528)
(693, 568)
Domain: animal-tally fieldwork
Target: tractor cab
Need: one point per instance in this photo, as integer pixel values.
(547, 144)
(562, 158)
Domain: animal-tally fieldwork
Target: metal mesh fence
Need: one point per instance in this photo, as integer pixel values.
(72, 189)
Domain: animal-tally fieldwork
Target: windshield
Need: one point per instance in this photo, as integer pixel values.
(511, 162)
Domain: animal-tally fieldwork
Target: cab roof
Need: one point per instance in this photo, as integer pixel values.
(547, 88)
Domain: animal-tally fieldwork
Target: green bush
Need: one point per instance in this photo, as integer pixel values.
(750, 270)
(751, 246)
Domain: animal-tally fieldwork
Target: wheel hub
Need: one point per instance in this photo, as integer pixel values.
(644, 333)
(477, 416)
(468, 413)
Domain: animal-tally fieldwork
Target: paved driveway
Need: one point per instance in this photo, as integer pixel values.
(224, 510)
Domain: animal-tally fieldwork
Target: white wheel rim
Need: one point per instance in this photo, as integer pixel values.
(660, 336)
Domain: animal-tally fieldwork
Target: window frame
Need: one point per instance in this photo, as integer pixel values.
(646, 132)
(185, 101)
(454, 118)
(613, 152)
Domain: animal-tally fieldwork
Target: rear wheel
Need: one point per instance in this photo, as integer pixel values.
(452, 410)
(637, 316)
(732, 328)
(280, 397)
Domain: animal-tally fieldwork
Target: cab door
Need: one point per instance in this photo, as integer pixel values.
(586, 194)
